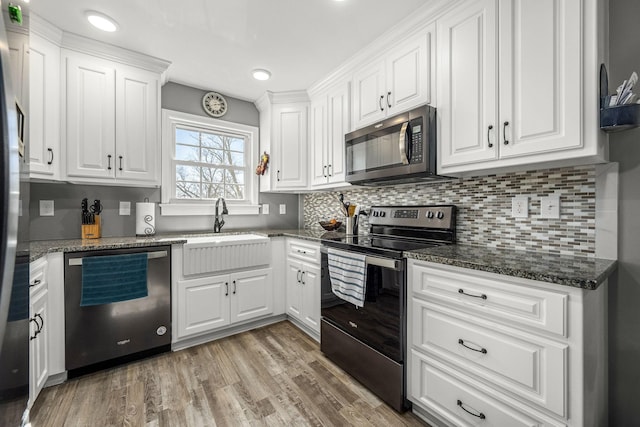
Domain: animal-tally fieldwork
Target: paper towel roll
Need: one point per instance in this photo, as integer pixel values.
(145, 219)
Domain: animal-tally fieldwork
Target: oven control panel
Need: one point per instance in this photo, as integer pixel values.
(428, 216)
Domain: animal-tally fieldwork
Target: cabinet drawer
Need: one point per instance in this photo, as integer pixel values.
(496, 296)
(302, 250)
(530, 366)
(38, 275)
(465, 402)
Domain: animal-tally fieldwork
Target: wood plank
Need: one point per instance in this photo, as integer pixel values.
(272, 376)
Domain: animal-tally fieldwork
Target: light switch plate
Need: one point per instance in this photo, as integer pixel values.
(46, 208)
(265, 209)
(550, 207)
(283, 209)
(520, 207)
(125, 208)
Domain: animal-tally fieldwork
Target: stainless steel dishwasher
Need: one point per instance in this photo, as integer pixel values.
(114, 331)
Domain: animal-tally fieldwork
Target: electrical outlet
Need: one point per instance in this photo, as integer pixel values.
(550, 207)
(46, 208)
(283, 209)
(265, 209)
(520, 207)
(125, 208)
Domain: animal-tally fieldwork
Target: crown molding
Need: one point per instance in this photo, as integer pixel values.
(45, 29)
(110, 52)
(406, 28)
(288, 97)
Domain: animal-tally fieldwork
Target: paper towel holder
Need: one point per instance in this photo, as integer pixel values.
(145, 221)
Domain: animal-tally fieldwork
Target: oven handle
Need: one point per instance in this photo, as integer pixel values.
(392, 264)
(150, 255)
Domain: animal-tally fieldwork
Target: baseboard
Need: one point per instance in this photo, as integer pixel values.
(233, 330)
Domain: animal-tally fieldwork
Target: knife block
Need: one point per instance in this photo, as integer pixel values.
(92, 231)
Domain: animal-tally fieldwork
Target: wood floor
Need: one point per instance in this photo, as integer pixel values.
(273, 376)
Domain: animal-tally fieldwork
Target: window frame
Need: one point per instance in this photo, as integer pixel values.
(170, 205)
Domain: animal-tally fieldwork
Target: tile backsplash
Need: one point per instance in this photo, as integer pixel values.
(484, 208)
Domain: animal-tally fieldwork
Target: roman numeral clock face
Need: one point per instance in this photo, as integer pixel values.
(214, 104)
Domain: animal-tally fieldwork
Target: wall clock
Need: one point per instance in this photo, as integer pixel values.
(214, 104)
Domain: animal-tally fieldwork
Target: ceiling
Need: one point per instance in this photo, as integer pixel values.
(215, 44)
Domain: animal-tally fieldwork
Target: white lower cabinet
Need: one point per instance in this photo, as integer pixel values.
(303, 277)
(208, 303)
(38, 328)
(504, 351)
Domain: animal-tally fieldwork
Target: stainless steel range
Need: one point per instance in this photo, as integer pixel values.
(369, 342)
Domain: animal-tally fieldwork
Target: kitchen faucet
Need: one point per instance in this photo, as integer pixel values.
(219, 221)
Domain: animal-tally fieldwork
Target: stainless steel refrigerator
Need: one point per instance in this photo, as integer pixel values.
(14, 229)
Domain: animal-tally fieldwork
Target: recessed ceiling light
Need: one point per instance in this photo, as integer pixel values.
(101, 21)
(260, 74)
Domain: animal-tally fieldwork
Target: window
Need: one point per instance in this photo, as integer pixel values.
(204, 159)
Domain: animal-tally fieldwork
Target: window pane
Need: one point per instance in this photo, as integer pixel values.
(214, 157)
(184, 136)
(211, 175)
(237, 159)
(212, 140)
(187, 173)
(188, 153)
(187, 190)
(236, 144)
(213, 190)
(234, 192)
(233, 176)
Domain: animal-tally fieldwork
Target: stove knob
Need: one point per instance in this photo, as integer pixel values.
(375, 213)
(429, 214)
(440, 215)
(383, 213)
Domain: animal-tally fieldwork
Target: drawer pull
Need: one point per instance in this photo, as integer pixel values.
(36, 282)
(461, 291)
(480, 415)
(482, 350)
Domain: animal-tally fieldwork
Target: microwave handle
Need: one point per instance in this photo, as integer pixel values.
(402, 144)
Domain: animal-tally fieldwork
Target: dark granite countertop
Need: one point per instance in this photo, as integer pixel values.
(40, 248)
(579, 272)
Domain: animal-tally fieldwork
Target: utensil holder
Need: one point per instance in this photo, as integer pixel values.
(92, 231)
(348, 224)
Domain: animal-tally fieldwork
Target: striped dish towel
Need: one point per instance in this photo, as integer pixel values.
(348, 274)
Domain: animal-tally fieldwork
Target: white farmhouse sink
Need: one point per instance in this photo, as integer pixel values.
(228, 238)
(217, 253)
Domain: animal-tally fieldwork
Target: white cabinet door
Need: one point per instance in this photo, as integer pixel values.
(18, 44)
(203, 305)
(44, 108)
(369, 91)
(38, 344)
(251, 294)
(339, 124)
(310, 279)
(90, 117)
(318, 141)
(408, 74)
(540, 76)
(467, 83)
(294, 289)
(138, 145)
(290, 135)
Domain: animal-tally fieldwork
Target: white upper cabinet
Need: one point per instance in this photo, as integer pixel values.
(467, 83)
(397, 82)
(511, 84)
(90, 117)
(137, 122)
(284, 136)
(328, 125)
(44, 108)
(112, 120)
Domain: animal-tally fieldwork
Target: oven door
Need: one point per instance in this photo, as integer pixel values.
(380, 322)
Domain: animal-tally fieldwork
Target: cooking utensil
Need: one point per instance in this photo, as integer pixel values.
(351, 209)
(343, 207)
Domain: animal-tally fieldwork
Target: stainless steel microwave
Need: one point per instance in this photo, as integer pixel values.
(399, 149)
